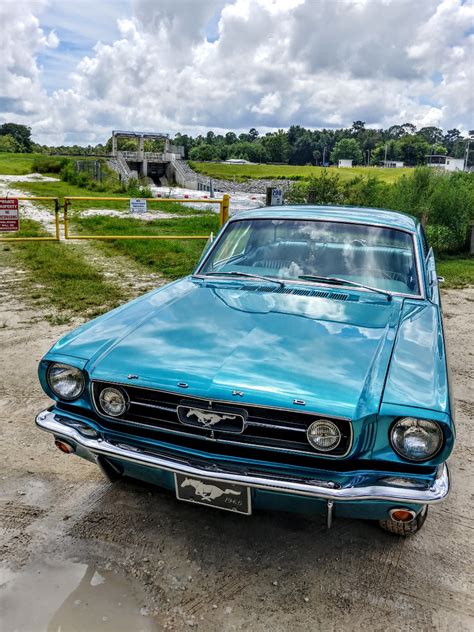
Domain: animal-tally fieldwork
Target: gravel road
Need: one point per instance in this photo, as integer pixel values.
(81, 554)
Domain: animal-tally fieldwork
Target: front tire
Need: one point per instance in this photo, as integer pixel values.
(405, 528)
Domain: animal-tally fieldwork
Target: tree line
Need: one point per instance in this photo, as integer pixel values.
(295, 146)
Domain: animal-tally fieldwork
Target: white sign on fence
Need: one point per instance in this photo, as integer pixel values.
(277, 197)
(137, 205)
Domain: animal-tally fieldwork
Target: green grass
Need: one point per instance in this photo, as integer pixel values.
(16, 164)
(59, 276)
(457, 271)
(171, 258)
(244, 172)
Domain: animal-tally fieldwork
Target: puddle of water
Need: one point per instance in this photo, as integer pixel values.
(70, 597)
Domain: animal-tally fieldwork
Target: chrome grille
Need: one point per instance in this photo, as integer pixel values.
(267, 429)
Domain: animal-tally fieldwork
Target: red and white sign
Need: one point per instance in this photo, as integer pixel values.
(9, 215)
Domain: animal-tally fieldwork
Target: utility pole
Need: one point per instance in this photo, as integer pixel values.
(386, 149)
(466, 158)
(324, 156)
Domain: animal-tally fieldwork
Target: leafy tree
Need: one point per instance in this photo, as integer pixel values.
(358, 127)
(185, 141)
(8, 143)
(277, 146)
(210, 138)
(254, 152)
(230, 138)
(204, 151)
(347, 148)
(413, 150)
(390, 150)
(253, 134)
(432, 135)
(398, 131)
(21, 134)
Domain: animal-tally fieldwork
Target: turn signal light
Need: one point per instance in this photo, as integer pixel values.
(63, 446)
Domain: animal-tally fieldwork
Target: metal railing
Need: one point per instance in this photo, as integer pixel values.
(223, 216)
(68, 201)
(57, 208)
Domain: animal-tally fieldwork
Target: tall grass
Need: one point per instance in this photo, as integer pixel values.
(68, 282)
(171, 258)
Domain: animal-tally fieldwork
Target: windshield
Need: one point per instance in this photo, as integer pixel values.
(383, 258)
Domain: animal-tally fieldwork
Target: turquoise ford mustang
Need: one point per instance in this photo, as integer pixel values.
(302, 367)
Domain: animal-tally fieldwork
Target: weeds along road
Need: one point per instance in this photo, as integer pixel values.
(80, 553)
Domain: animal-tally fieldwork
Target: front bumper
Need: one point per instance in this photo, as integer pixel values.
(362, 486)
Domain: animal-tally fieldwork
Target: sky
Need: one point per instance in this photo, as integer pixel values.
(74, 70)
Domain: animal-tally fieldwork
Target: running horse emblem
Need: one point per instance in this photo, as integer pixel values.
(208, 419)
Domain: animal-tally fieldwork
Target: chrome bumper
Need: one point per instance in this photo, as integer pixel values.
(364, 486)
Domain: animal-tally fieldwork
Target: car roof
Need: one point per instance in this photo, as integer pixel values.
(353, 214)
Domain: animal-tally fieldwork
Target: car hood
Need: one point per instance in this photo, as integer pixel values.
(271, 348)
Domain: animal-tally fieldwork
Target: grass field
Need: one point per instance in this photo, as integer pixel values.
(171, 258)
(457, 271)
(244, 172)
(16, 164)
(59, 277)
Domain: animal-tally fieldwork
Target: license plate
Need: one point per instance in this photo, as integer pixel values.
(207, 492)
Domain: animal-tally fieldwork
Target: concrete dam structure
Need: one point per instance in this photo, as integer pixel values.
(161, 167)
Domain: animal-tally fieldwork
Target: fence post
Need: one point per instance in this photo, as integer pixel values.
(225, 209)
(57, 206)
(66, 225)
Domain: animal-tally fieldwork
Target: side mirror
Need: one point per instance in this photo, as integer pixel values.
(440, 279)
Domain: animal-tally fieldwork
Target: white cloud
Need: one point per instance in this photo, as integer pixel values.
(182, 65)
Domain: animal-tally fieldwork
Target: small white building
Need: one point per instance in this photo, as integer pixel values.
(238, 161)
(393, 164)
(445, 162)
(344, 162)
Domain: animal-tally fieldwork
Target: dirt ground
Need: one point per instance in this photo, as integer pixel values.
(78, 553)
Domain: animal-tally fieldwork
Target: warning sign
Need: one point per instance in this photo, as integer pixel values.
(137, 205)
(9, 215)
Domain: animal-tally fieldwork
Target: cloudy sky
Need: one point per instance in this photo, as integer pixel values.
(76, 69)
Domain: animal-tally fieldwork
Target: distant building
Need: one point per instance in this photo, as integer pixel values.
(344, 162)
(392, 164)
(238, 161)
(445, 162)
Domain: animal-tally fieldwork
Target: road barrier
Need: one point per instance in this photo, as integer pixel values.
(223, 216)
(57, 208)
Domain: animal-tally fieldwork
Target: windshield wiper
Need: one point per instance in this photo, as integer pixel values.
(339, 281)
(243, 274)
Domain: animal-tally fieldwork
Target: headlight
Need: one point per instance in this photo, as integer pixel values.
(65, 381)
(112, 401)
(416, 439)
(324, 435)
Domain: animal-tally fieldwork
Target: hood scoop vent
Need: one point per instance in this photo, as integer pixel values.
(273, 289)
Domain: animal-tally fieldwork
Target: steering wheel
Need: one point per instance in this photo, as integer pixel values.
(392, 276)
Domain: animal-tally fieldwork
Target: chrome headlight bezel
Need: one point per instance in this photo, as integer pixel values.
(420, 422)
(81, 381)
(119, 392)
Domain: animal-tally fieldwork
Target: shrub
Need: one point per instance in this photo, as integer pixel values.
(442, 239)
(443, 201)
(135, 189)
(48, 164)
